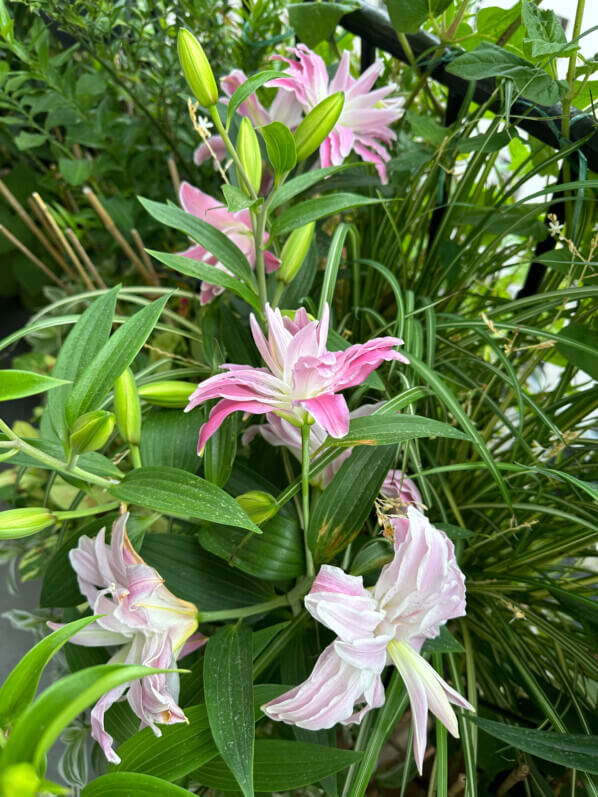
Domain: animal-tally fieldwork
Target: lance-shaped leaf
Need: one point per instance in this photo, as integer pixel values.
(40, 725)
(83, 342)
(342, 509)
(384, 430)
(111, 360)
(133, 784)
(177, 492)
(318, 208)
(20, 687)
(229, 700)
(212, 239)
(16, 384)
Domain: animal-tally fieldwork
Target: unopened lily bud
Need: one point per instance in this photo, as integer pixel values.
(20, 780)
(15, 523)
(127, 408)
(169, 393)
(197, 69)
(91, 431)
(317, 125)
(258, 505)
(294, 252)
(248, 150)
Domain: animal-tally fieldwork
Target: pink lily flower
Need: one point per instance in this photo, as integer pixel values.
(284, 108)
(363, 126)
(279, 432)
(236, 226)
(149, 624)
(416, 593)
(302, 379)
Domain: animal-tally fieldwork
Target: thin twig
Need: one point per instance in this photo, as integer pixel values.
(115, 233)
(144, 256)
(65, 244)
(85, 257)
(42, 266)
(22, 213)
(56, 232)
(174, 175)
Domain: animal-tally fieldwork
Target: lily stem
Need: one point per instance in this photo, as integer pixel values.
(305, 432)
(242, 611)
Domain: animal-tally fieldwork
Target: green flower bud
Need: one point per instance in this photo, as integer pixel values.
(294, 252)
(248, 150)
(169, 393)
(16, 523)
(197, 69)
(127, 408)
(259, 505)
(91, 431)
(20, 780)
(317, 125)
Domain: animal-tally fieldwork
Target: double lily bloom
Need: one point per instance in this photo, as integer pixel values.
(145, 620)
(301, 380)
(236, 227)
(416, 593)
(363, 126)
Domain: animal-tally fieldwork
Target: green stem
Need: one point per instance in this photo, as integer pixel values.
(135, 454)
(232, 152)
(566, 123)
(243, 611)
(52, 462)
(70, 514)
(280, 286)
(259, 228)
(305, 432)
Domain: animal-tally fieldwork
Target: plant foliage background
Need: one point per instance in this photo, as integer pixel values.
(94, 115)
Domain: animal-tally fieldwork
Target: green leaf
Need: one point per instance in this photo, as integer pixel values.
(574, 751)
(280, 146)
(182, 748)
(247, 88)
(113, 358)
(342, 509)
(303, 182)
(318, 208)
(372, 556)
(427, 128)
(29, 140)
(316, 22)
(445, 642)
(83, 342)
(40, 725)
(545, 34)
(220, 452)
(169, 438)
(384, 430)
(582, 359)
(177, 492)
(236, 199)
(229, 700)
(75, 172)
(407, 16)
(18, 384)
(563, 261)
(203, 271)
(20, 687)
(211, 238)
(119, 784)
(93, 462)
(274, 555)
(194, 575)
(490, 60)
(281, 766)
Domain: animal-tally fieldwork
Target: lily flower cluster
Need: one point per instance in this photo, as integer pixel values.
(302, 380)
(143, 619)
(416, 593)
